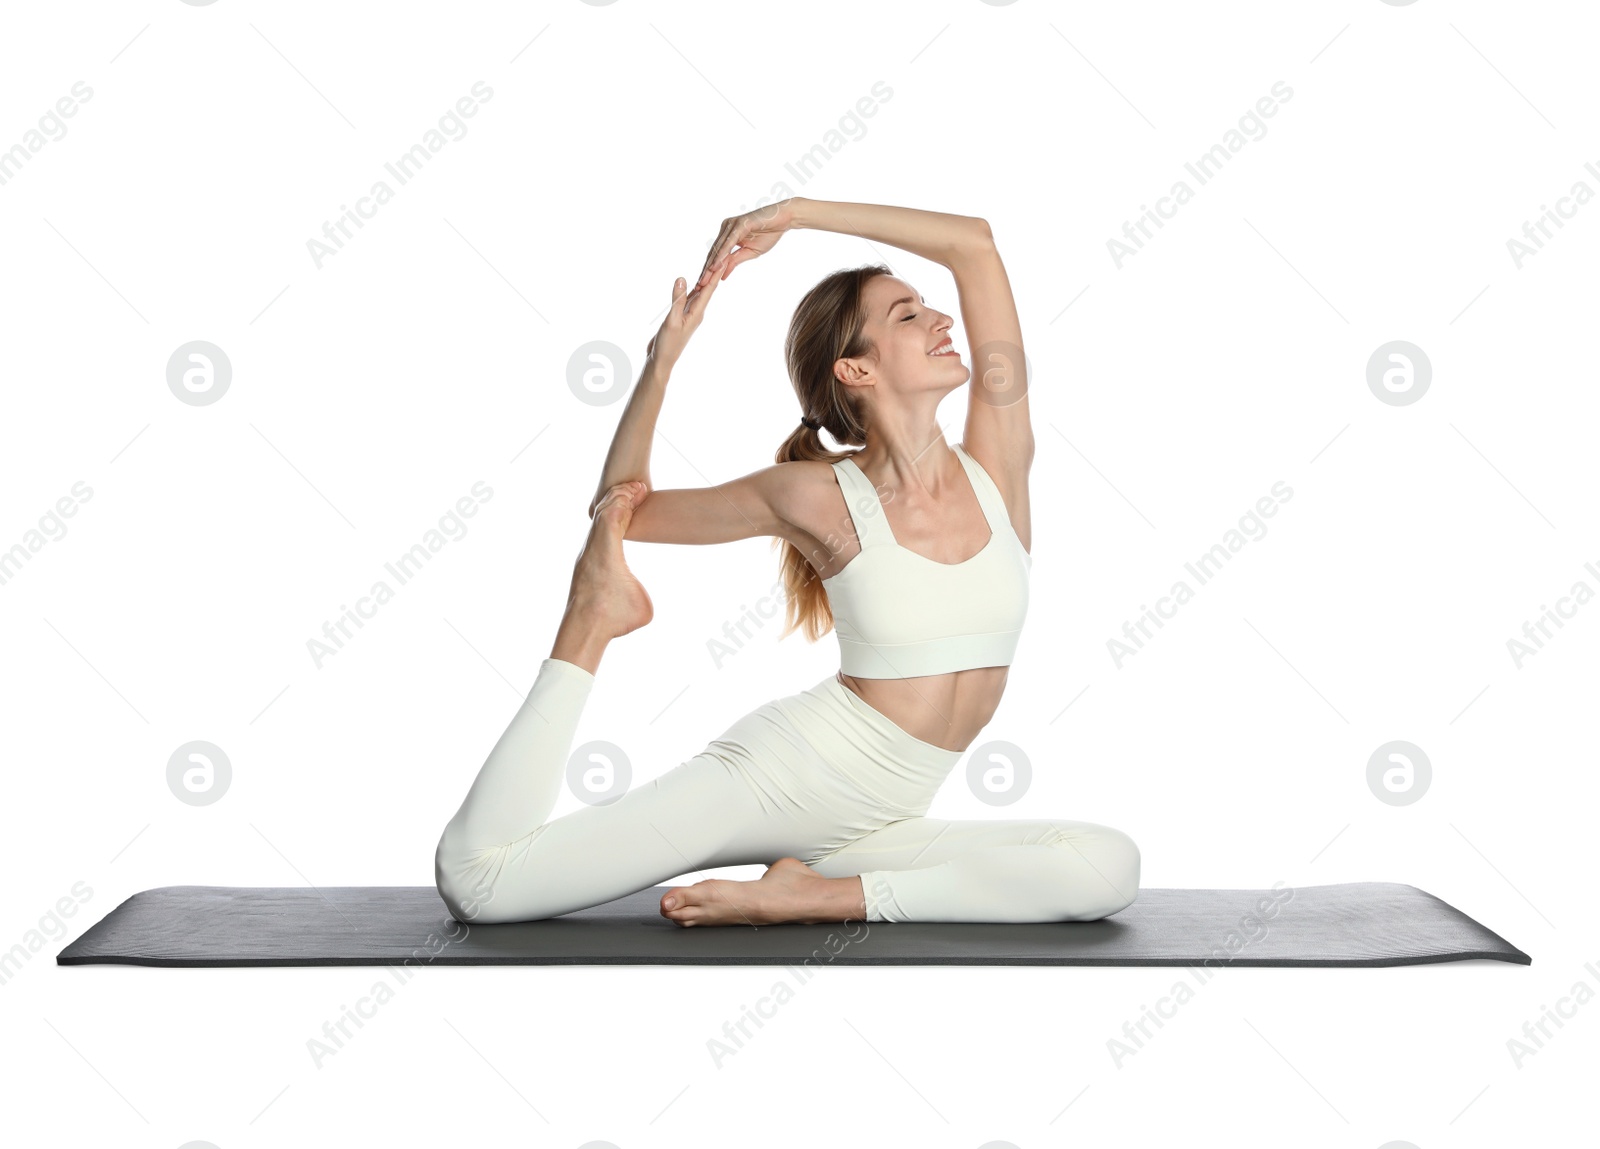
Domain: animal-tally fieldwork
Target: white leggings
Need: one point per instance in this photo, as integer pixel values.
(820, 776)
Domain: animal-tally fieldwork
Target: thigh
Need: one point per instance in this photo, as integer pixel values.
(699, 814)
(930, 869)
(915, 843)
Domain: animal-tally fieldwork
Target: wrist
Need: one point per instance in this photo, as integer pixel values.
(800, 212)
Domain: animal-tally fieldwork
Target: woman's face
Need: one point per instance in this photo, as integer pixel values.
(914, 348)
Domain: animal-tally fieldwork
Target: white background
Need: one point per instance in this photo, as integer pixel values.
(369, 394)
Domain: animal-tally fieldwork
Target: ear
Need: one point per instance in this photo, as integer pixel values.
(849, 372)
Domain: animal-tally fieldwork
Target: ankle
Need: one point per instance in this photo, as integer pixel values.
(830, 899)
(846, 899)
(579, 645)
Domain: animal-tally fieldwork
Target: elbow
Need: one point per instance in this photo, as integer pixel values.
(974, 238)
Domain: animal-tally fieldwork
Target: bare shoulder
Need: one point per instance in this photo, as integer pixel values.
(807, 498)
(803, 492)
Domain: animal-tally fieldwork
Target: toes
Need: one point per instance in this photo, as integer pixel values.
(690, 904)
(680, 905)
(628, 493)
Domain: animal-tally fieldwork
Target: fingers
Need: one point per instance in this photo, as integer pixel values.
(701, 294)
(687, 304)
(708, 280)
(633, 490)
(682, 298)
(724, 234)
(718, 254)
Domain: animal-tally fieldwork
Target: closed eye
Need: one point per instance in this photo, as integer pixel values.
(909, 318)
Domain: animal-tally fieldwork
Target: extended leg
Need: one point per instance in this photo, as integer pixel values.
(698, 815)
(517, 786)
(932, 870)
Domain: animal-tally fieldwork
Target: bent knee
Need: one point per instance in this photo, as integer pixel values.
(461, 878)
(1112, 858)
(448, 880)
(493, 885)
(469, 900)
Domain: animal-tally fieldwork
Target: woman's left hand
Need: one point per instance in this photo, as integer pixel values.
(753, 233)
(682, 320)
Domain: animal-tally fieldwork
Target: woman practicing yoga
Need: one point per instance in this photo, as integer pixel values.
(915, 551)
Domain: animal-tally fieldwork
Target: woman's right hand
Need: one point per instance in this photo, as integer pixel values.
(683, 318)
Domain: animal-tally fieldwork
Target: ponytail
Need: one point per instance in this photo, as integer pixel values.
(827, 326)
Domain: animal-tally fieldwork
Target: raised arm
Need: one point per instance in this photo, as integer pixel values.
(629, 456)
(934, 235)
(999, 431)
(999, 428)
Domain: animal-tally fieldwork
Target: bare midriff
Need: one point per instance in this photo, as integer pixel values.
(948, 710)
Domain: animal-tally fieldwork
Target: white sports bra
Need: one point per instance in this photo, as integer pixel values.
(900, 614)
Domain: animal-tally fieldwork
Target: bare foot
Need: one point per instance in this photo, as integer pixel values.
(790, 891)
(605, 594)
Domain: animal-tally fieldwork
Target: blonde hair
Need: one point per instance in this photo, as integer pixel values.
(828, 325)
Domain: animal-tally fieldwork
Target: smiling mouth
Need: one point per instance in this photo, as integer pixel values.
(944, 349)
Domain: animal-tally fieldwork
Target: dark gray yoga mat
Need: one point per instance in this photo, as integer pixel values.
(1353, 924)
